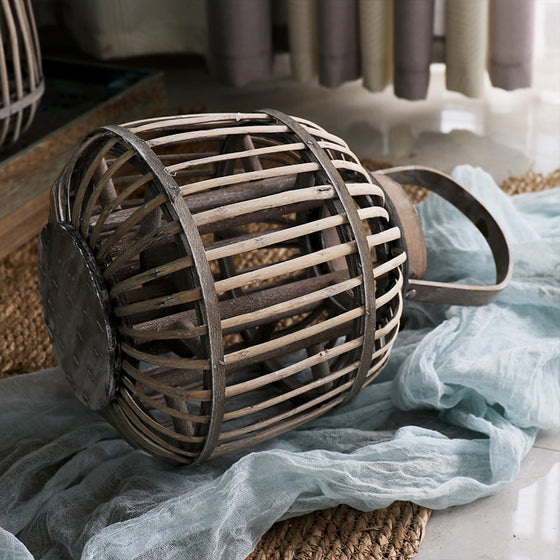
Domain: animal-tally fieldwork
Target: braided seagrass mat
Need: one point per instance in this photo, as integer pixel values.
(340, 533)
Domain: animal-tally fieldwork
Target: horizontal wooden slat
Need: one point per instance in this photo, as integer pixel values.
(284, 427)
(164, 388)
(145, 423)
(282, 171)
(286, 340)
(279, 200)
(212, 159)
(185, 363)
(292, 369)
(260, 425)
(209, 134)
(311, 386)
(163, 123)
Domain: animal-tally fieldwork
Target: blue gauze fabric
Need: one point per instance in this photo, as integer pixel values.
(448, 421)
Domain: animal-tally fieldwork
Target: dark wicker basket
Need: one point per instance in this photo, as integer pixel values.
(211, 281)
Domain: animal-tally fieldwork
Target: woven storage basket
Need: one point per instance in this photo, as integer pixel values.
(157, 312)
(21, 75)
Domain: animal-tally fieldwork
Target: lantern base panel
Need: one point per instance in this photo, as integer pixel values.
(77, 312)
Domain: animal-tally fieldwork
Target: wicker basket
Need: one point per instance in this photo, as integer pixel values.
(211, 281)
(21, 75)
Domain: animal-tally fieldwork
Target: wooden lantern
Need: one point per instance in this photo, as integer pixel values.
(210, 281)
(21, 75)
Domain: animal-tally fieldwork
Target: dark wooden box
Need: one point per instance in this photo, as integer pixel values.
(78, 99)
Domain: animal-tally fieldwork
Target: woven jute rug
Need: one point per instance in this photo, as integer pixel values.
(340, 533)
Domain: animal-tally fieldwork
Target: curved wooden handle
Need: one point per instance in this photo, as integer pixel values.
(478, 214)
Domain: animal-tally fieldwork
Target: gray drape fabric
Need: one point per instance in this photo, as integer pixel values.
(511, 43)
(378, 40)
(413, 24)
(338, 37)
(239, 40)
(109, 29)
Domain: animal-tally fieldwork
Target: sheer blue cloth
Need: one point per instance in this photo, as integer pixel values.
(449, 421)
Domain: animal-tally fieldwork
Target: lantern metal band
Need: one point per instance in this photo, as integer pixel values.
(214, 377)
(240, 275)
(330, 175)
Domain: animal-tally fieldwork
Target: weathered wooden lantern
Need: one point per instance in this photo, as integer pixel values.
(21, 75)
(210, 281)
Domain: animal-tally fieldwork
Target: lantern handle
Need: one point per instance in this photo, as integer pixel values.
(479, 215)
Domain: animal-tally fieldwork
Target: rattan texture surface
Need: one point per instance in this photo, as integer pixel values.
(336, 533)
(343, 533)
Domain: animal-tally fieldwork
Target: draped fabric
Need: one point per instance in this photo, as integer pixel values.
(332, 41)
(302, 28)
(466, 45)
(412, 47)
(337, 34)
(376, 16)
(239, 40)
(109, 29)
(448, 421)
(511, 42)
(341, 40)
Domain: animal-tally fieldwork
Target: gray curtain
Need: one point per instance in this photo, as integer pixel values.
(511, 43)
(338, 38)
(337, 41)
(334, 41)
(412, 47)
(240, 40)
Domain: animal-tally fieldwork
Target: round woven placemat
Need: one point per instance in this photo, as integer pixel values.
(340, 533)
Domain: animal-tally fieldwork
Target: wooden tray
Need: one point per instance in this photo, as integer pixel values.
(78, 98)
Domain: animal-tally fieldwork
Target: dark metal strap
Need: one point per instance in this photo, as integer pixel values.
(210, 298)
(478, 214)
(332, 176)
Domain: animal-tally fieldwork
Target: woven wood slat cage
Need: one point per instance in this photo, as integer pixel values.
(211, 281)
(21, 74)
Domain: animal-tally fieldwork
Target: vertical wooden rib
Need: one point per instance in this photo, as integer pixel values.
(103, 175)
(114, 205)
(329, 173)
(134, 219)
(80, 191)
